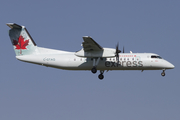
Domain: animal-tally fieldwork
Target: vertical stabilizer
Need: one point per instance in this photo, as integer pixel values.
(22, 42)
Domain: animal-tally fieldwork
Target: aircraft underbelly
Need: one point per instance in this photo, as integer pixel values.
(104, 65)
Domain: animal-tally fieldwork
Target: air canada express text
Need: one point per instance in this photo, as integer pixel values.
(124, 64)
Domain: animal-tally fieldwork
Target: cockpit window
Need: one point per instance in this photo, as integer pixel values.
(154, 56)
(159, 57)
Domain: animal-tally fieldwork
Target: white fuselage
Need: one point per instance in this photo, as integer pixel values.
(91, 57)
(70, 61)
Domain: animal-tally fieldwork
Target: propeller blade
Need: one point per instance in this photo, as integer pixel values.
(117, 52)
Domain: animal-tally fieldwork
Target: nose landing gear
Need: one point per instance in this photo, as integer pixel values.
(163, 73)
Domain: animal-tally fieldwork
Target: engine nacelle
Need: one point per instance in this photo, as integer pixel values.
(106, 52)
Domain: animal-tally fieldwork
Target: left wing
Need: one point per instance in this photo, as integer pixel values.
(94, 50)
(90, 45)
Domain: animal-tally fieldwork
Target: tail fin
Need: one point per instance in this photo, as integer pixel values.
(22, 41)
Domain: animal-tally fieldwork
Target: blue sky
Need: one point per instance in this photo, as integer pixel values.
(35, 92)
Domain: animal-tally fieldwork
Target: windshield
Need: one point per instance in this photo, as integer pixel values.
(154, 56)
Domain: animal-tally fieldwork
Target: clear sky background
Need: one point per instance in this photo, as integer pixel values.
(32, 92)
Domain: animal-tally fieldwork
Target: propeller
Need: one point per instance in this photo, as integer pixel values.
(117, 52)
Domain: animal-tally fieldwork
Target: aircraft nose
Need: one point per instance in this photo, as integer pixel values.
(170, 66)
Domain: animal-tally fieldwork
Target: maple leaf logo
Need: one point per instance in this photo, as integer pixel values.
(20, 44)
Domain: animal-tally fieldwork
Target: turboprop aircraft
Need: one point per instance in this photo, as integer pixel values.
(91, 57)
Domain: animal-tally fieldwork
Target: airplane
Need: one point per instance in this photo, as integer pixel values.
(91, 57)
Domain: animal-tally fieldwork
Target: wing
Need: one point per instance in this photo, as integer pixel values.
(90, 45)
(94, 50)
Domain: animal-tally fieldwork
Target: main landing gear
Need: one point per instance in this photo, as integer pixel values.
(101, 76)
(163, 73)
(94, 70)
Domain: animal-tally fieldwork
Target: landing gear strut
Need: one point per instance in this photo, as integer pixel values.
(163, 73)
(95, 63)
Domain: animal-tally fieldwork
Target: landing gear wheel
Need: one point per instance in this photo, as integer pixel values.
(101, 76)
(163, 74)
(94, 70)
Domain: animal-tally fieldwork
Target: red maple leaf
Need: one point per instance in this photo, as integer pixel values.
(20, 44)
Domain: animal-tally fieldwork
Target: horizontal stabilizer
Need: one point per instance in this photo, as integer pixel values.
(14, 25)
